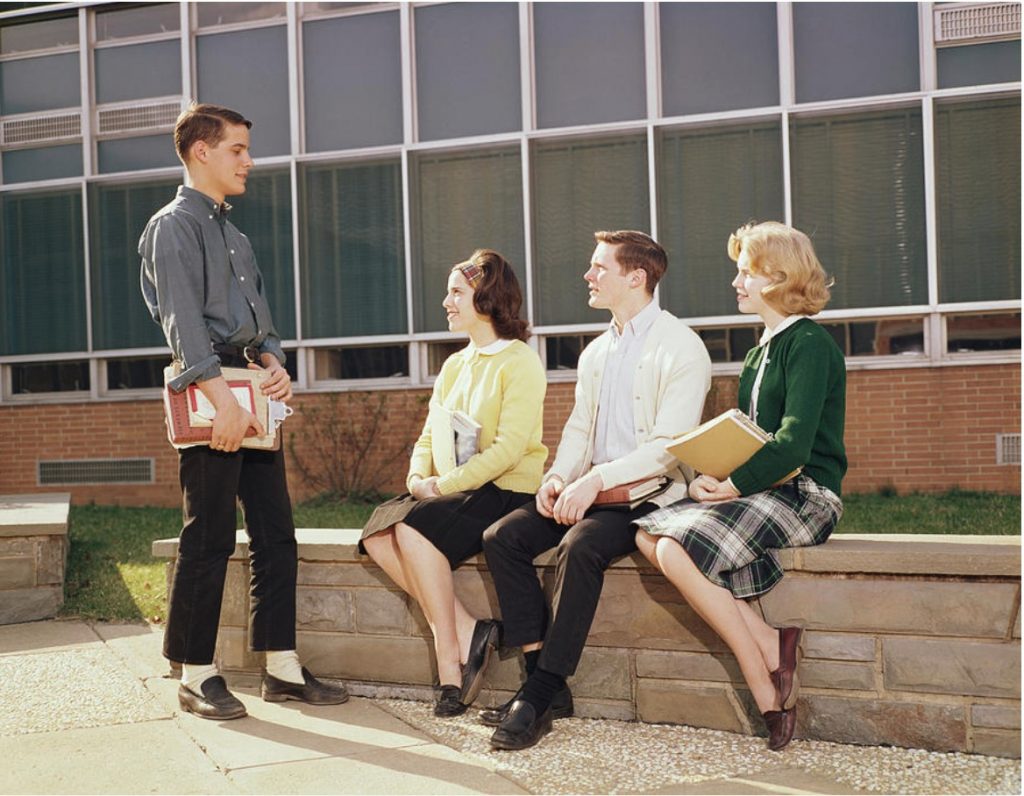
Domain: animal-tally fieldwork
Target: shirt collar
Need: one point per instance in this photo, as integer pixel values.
(640, 323)
(788, 321)
(191, 194)
(496, 347)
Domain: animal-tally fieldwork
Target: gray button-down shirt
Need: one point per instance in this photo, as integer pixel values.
(201, 284)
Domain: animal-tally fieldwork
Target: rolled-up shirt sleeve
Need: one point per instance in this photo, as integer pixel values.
(173, 287)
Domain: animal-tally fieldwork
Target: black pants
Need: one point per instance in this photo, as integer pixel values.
(210, 482)
(584, 552)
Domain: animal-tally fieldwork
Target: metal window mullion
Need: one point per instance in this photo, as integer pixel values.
(85, 97)
(414, 364)
(935, 347)
(86, 259)
(926, 46)
(300, 361)
(408, 66)
(187, 84)
(527, 84)
(787, 177)
(787, 54)
(652, 188)
(652, 59)
(524, 158)
(292, 26)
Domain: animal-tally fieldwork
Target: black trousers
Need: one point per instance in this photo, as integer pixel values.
(210, 482)
(584, 552)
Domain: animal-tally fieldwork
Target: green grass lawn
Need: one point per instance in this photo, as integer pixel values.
(111, 574)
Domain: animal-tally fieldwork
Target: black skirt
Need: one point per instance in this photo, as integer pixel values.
(454, 523)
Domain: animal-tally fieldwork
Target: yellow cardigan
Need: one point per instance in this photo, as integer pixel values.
(504, 393)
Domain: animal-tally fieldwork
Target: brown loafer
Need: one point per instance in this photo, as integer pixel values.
(781, 725)
(787, 684)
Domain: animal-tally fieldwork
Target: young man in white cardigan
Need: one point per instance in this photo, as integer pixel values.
(639, 384)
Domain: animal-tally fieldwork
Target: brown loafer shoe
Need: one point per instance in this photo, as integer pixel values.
(312, 691)
(781, 725)
(213, 702)
(787, 684)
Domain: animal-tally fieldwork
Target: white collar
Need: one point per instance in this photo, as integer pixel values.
(496, 347)
(642, 321)
(788, 321)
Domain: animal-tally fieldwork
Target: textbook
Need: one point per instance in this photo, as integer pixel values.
(631, 495)
(718, 447)
(189, 414)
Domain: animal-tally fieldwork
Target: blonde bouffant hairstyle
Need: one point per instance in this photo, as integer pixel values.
(784, 255)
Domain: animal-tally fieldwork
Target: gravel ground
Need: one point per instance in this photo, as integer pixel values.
(591, 756)
(68, 690)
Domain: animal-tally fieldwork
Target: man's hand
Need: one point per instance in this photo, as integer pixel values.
(278, 384)
(423, 488)
(708, 489)
(548, 494)
(576, 498)
(231, 421)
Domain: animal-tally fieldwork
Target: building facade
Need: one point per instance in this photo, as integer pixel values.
(393, 139)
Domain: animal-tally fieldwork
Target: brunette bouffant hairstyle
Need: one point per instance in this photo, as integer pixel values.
(496, 293)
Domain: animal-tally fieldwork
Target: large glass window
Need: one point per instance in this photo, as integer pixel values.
(467, 69)
(264, 214)
(465, 201)
(976, 64)
(855, 49)
(138, 152)
(248, 70)
(718, 56)
(118, 214)
(710, 181)
(590, 63)
(44, 163)
(353, 78)
(137, 71)
(580, 187)
(353, 252)
(42, 284)
(120, 23)
(858, 191)
(977, 174)
(20, 81)
(20, 37)
(208, 14)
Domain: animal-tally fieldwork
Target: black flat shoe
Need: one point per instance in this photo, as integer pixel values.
(214, 701)
(522, 727)
(561, 708)
(481, 647)
(312, 691)
(450, 703)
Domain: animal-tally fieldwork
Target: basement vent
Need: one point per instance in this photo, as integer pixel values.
(96, 471)
(1007, 448)
(41, 129)
(969, 24)
(138, 117)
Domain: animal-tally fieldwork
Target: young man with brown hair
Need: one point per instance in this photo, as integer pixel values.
(638, 385)
(201, 284)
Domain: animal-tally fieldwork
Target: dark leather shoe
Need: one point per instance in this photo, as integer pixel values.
(561, 708)
(522, 727)
(214, 701)
(450, 703)
(787, 684)
(481, 647)
(781, 725)
(312, 691)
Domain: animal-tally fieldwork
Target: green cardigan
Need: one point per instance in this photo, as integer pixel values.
(802, 401)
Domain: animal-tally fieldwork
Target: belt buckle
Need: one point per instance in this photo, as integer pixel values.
(251, 354)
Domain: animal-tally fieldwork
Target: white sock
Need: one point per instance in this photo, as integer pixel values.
(193, 675)
(284, 665)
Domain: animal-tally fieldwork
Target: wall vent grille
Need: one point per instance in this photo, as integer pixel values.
(96, 471)
(1007, 448)
(41, 129)
(138, 117)
(977, 23)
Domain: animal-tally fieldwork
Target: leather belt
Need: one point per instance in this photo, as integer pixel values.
(244, 353)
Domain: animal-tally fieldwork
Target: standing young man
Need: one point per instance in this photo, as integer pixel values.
(638, 385)
(201, 284)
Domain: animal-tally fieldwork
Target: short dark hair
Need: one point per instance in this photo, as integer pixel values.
(637, 250)
(203, 122)
(497, 295)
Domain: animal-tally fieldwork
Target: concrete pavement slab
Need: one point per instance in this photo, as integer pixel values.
(721, 787)
(48, 635)
(139, 646)
(424, 769)
(151, 757)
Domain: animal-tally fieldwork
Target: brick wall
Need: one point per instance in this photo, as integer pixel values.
(916, 429)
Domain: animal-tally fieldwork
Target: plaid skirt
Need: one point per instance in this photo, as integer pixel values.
(734, 543)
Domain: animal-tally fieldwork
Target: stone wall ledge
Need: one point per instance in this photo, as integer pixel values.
(35, 515)
(873, 554)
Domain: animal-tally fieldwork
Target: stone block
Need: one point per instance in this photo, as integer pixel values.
(831, 674)
(1003, 717)
(372, 658)
(658, 701)
(603, 674)
(416, 623)
(17, 572)
(936, 727)
(324, 609)
(603, 709)
(51, 557)
(505, 675)
(233, 650)
(343, 573)
(22, 547)
(947, 608)
(28, 605)
(329, 544)
(381, 611)
(688, 666)
(998, 743)
(1016, 624)
(839, 646)
(475, 589)
(952, 667)
(914, 554)
(35, 515)
(234, 608)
